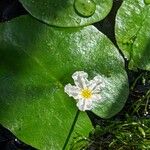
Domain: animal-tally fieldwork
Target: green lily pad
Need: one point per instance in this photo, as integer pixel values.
(133, 32)
(68, 13)
(37, 61)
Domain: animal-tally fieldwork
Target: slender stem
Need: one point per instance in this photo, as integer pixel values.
(147, 101)
(134, 83)
(71, 130)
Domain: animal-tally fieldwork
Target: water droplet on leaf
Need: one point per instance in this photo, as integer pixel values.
(85, 8)
(147, 2)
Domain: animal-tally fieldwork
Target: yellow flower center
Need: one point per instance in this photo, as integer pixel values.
(86, 93)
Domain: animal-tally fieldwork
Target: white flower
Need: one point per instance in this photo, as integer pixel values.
(85, 92)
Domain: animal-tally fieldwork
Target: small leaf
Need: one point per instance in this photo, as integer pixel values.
(36, 62)
(68, 13)
(133, 32)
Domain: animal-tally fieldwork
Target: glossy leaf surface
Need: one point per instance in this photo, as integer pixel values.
(64, 13)
(36, 62)
(133, 32)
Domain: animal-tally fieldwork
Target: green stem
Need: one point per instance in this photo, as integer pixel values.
(134, 83)
(71, 130)
(147, 101)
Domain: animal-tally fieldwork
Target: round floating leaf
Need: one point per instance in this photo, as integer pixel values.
(37, 61)
(68, 13)
(133, 32)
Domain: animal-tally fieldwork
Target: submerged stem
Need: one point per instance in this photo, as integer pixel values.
(71, 130)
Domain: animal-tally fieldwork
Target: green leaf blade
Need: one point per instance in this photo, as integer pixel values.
(132, 33)
(62, 13)
(36, 64)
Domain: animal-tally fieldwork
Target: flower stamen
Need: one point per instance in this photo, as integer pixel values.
(86, 93)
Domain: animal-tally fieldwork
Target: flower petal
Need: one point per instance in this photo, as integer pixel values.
(96, 97)
(80, 79)
(88, 104)
(96, 84)
(83, 104)
(72, 91)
